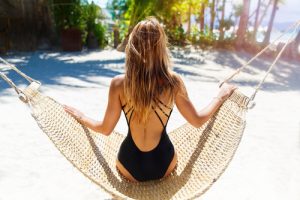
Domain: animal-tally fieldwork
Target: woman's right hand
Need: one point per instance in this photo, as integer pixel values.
(226, 90)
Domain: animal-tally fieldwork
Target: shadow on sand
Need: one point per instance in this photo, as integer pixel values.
(286, 73)
(49, 67)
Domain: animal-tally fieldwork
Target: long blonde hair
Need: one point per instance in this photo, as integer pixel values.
(148, 72)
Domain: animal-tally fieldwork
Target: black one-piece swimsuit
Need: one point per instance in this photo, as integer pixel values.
(147, 165)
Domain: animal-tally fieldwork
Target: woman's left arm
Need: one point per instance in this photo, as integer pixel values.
(112, 113)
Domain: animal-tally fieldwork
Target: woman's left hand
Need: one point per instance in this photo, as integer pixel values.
(74, 112)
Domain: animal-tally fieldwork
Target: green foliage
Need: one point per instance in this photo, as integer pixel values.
(81, 15)
(207, 39)
(176, 35)
(127, 13)
(68, 14)
(99, 31)
(118, 10)
(202, 39)
(92, 16)
(174, 14)
(195, 35)
(167, 12)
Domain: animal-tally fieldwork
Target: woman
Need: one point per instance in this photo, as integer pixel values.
(146, 94)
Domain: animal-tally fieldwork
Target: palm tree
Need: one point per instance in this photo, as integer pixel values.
(221, 27)
(241, 32)
(202, 14)
(265, 11)
(296, 42)
(212, 15)
(256, 20)
(271, 22)
(188, 31)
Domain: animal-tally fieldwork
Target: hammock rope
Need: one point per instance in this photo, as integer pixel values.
(294, 28)
(30, 80)
(203, 153)
(275, 61)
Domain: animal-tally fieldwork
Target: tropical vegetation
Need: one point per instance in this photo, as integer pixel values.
(199, 22)
(203, 23)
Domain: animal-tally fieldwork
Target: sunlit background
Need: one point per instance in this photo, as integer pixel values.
(75, 48)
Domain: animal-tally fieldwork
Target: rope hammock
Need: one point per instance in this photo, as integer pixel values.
(203, 153)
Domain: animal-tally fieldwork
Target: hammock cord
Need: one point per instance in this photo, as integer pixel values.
(274, 62)
(22, 96)
(294, 29)
(10, 82)
(28, 78)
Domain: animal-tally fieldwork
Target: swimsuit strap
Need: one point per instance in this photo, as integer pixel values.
(130, 109)
(162, 111)
(158, 103)
(158, 116)
(157, 99)
(123, 106)
(130, 115)
(167, 115)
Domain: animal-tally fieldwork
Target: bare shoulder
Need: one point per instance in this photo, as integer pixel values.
(180, 86)
(176, 77)
(117, 82)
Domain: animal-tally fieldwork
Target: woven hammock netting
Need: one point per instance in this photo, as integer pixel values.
(203, 153)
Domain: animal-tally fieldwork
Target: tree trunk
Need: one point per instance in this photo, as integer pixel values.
(271, 22)
(221, 27)
(264, 12)
(296, 53)
(201, 17)
(212, 15)
(116, 36)
(188, 31)
(292, 50)
(297, 39)
(256, 20)
(241, 32)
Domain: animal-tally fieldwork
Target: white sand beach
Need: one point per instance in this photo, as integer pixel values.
(265, 166)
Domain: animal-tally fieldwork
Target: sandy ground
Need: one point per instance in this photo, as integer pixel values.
(266, 165)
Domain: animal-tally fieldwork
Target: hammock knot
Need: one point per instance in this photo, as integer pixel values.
(251, 104)
(28, 93)
(23, 97)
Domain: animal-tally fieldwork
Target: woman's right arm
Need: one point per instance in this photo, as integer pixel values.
(198, 118)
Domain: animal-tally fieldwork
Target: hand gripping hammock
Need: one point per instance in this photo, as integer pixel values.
(203, 153)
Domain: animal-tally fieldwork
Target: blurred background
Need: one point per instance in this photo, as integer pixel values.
(74, 48)
(73, 25)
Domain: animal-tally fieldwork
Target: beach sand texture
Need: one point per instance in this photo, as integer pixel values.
(267, 162)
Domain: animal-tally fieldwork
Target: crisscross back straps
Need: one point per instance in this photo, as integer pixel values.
(158, 102)
(130, 110)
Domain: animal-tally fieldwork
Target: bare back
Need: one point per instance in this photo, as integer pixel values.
(147, 136)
